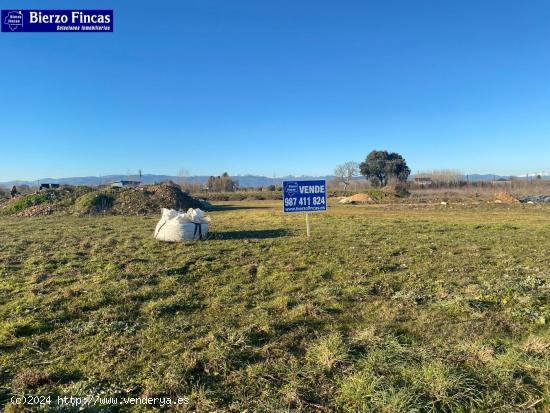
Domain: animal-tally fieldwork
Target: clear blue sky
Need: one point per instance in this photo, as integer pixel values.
(278, 87)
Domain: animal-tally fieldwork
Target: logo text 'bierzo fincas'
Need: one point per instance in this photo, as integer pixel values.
(57, 21)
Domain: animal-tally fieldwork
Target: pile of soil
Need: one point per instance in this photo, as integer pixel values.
(505, 198)
(62, 197)
(150, 200)
(137, 201)
(357, 199)
(93, 203)
(4, 196)
(39, 210)
(90, 201)
(171, 196)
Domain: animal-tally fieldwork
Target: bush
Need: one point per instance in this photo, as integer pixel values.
(399, 190)
(379, 195)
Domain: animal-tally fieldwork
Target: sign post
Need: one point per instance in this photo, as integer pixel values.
(305, 196)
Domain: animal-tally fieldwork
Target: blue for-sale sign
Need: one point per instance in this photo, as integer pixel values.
(305, 196)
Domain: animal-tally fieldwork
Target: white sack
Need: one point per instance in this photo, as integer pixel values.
(166, 214)
(195, 215)
(179, 226)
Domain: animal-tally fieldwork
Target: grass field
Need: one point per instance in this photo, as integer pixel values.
(385, 309)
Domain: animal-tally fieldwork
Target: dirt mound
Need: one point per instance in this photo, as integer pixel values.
(150, 200)
(4, 195)
(357, 199)
(89, 201)
(62, 197)
(20, 203)
(93, 203)
(38, 210)
(505, 198)
(171, 196)
(135, 201)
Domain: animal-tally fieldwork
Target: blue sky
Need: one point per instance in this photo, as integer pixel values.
(278, 87)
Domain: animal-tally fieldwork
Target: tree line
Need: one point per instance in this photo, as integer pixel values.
(222, 183)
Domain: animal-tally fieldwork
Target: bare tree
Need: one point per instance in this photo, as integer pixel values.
(182, 176)
(346, 172)
(222, 183)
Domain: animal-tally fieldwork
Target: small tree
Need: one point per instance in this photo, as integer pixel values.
(346, 172)
(380, 166)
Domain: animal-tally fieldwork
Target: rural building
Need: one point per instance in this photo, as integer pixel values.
(423, 180)
(125, 184)
(49, 186)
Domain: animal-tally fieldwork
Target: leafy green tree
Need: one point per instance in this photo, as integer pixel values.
(380, 166)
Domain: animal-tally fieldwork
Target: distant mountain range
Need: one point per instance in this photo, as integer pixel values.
(490, 177)
(245, 181)
(542, 174)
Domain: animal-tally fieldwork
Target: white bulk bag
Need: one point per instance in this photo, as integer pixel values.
(179, 226)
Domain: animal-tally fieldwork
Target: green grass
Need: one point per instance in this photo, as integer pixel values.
(385, 309)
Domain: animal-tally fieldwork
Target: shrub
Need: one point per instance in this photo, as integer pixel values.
(399, 190)
(379, 195)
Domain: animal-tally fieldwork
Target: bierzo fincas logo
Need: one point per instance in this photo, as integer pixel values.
(57, 21)
(14, 20)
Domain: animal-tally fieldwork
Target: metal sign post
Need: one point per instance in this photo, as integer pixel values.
(305, 196)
